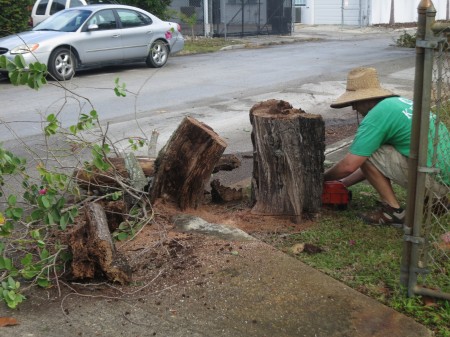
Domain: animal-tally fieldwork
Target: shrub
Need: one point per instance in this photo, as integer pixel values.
(14, 16)
(406, 40)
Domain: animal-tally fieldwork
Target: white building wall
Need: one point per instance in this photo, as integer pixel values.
(367, 12)
(404, 10)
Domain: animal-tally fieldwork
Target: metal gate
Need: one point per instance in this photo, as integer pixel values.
(426, 255)
(222, 18)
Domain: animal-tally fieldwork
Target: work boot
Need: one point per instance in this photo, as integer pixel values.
(385, 215)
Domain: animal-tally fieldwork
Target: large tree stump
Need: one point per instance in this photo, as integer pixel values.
(184, 165)
(288, 146)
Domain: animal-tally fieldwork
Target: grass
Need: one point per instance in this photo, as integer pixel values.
(367, 258)
(201, 45)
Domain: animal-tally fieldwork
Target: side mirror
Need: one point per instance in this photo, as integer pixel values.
(92, 26)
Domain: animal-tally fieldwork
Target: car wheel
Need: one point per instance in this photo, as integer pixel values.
(62, 64)
(158, 55)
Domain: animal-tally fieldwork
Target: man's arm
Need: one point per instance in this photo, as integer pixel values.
(345, 167)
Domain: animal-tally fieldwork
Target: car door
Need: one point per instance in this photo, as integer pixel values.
(101, 39)
(137, 33)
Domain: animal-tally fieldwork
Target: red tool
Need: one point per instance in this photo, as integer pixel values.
(335, 193)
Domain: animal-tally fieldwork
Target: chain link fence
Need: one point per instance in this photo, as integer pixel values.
(222, 18)
(426, 257)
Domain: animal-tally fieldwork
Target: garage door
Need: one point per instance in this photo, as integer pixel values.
(340, 12)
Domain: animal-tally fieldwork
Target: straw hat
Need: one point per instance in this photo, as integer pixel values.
(362, 84)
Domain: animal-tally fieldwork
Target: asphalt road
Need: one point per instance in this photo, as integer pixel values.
(218, 89)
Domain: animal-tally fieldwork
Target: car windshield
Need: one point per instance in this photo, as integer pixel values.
(65, 21)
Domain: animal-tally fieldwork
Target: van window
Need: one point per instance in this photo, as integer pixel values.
(57, 5)
(76, 3)
(42, 6)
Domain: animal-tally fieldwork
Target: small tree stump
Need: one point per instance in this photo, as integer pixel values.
(288, 146)
(93, 250)
(185, 164)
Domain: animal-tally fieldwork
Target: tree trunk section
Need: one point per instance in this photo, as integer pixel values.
(184, 166)
(93, 250)
(288, 156)
(96, 179)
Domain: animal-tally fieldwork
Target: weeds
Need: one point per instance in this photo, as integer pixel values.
(406, 40)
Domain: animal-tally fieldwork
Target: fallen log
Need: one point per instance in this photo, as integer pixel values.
(288, 146)
(185, 164)
(95, 179)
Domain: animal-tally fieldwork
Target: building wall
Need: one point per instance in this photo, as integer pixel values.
(368, 12)
(404, 10)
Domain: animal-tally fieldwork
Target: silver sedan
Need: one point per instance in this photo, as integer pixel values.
(95, 36)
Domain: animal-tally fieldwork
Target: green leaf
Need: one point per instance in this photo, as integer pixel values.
(44, 283)
(45, 201)
(64, 221)
(122, 236)
(17, 212)
(5, 263)
(44, 254)
(20, 61)
(27, 259)
(12, 199)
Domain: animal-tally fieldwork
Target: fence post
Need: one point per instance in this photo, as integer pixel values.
(418, 148)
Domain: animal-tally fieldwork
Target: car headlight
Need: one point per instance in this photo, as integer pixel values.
(25, 48)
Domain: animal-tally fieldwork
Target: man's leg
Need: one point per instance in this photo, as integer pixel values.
(380, 183)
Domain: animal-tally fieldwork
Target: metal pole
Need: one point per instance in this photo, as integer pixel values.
(414, 146)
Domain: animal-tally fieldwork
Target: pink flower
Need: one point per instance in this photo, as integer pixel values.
(43, 191)
(352, 242)
(168, 35)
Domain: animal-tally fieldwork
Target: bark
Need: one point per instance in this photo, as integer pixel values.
(95, 179)
(220, 193)
(185, 164)
(288, 146)
(93, 250)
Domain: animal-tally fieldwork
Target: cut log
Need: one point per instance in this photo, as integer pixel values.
(93, 250)
(288, 146)
(220, 193)
(185, 164)
(96, 179)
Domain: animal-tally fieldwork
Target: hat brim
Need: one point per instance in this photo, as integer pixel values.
(349, 97)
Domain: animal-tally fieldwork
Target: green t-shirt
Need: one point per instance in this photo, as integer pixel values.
(389, 122)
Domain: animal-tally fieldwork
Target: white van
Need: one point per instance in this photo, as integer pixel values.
(42, 9)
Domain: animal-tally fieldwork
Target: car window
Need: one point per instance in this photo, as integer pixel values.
(130, 18)
(65, 21)
(75, 3)
(40, 10)
(57, 5)
(104, 19)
